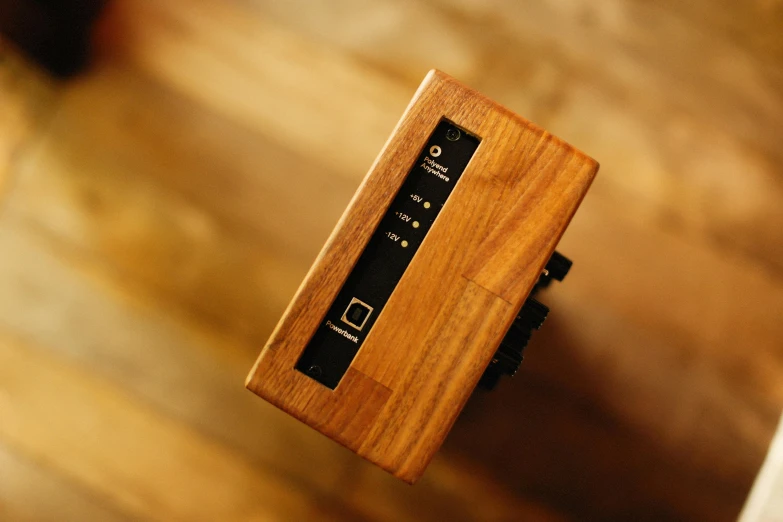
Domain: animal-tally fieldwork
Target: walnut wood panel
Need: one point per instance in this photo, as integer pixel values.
(344, 414)
(451, 308)
(439, 379)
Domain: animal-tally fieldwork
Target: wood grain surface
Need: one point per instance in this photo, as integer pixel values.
(448, 313)
(158, 213)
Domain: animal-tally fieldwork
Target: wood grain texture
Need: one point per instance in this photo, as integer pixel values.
(93, 197)
(31, 491)
(228, 487)
(154, 233)
(457, 298)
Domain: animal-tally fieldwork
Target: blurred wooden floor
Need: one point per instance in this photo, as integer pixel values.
(157, 213)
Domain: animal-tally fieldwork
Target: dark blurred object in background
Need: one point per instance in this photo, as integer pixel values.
(55, 33)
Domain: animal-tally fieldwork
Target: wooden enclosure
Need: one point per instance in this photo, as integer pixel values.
(457, 299)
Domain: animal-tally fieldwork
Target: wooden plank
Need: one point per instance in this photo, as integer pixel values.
(436, 38)
(247, 179)
(216, 219)
(31, 492)
(677, 147)
(712, 303)
(453, 488)
(754, 27)
(262, 77)
(446, 35)
(688, 123)
(59, 299)
(69, 304)
(682, 169)
(149, 464)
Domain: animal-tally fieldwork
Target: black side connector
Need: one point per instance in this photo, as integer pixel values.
(510, 353)
(557, 268)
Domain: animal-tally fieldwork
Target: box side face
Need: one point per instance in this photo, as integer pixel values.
(463, 288)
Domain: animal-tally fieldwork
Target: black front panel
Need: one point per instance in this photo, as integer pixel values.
(388, 254)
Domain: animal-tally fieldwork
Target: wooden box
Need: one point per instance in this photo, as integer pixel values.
(442, 324)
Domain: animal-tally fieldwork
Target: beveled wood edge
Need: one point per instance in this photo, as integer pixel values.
(434, 81)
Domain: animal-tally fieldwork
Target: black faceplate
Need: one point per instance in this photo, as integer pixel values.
(388, 254)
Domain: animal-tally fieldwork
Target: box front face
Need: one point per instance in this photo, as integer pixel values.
(406, 304)
(388, 254)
